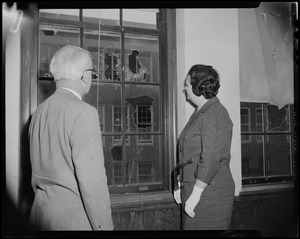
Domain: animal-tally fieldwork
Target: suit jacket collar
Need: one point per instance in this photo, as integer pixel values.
(65, 90)
(209, 103)
(203, 109)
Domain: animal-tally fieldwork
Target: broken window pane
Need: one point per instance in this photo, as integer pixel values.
(144, 101)
(51, 40)
(141, 59)
(278, 119)
(104, 47)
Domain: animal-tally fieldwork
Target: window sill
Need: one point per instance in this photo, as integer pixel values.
(142, 201)
(267, 188)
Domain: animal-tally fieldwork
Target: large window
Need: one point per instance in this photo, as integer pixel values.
(128, 52)
(267, 143)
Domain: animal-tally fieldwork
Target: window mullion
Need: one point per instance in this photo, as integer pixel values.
(291, 129)
(121, 17)
(265, 145)
(123, 121)
(81, 32)
(265, 155)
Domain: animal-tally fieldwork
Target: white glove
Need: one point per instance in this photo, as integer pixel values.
(177, 196)
(193, 200)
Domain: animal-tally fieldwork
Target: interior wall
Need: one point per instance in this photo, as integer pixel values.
(12, 110)
(210, 36)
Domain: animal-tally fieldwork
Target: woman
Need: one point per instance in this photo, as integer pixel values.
(204, 156)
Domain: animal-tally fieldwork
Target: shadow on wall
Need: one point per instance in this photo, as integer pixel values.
(26, 191)
(15, 221)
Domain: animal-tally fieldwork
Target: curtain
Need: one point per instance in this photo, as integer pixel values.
(266, 54)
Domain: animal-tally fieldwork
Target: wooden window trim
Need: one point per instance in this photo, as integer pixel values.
(142, 201)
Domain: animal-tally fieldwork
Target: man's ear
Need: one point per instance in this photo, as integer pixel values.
(84, 77)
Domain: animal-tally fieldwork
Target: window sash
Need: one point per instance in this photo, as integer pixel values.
(263, 138)
(160, 31)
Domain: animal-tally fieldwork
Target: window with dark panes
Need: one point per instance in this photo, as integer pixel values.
(145, 172)
(126, 49)
(267, 143)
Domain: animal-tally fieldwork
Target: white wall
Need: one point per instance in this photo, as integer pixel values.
(210, 36)
(12, 112)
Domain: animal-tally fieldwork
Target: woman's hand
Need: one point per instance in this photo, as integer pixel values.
(177, 196)
(193, 200)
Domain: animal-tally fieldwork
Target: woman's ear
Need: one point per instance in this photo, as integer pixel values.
(196, 92)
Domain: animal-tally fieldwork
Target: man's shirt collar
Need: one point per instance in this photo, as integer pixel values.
(72, 91)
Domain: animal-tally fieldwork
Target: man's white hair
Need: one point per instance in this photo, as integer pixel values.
(69, 62)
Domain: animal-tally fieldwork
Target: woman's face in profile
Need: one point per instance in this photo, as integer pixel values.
(188, 89)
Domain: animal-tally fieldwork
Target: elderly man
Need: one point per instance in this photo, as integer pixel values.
(68, 173)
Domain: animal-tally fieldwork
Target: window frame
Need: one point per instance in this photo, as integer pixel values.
(267, 180)
(166, 54)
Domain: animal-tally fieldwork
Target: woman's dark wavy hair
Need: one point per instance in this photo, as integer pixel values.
(204, 80)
